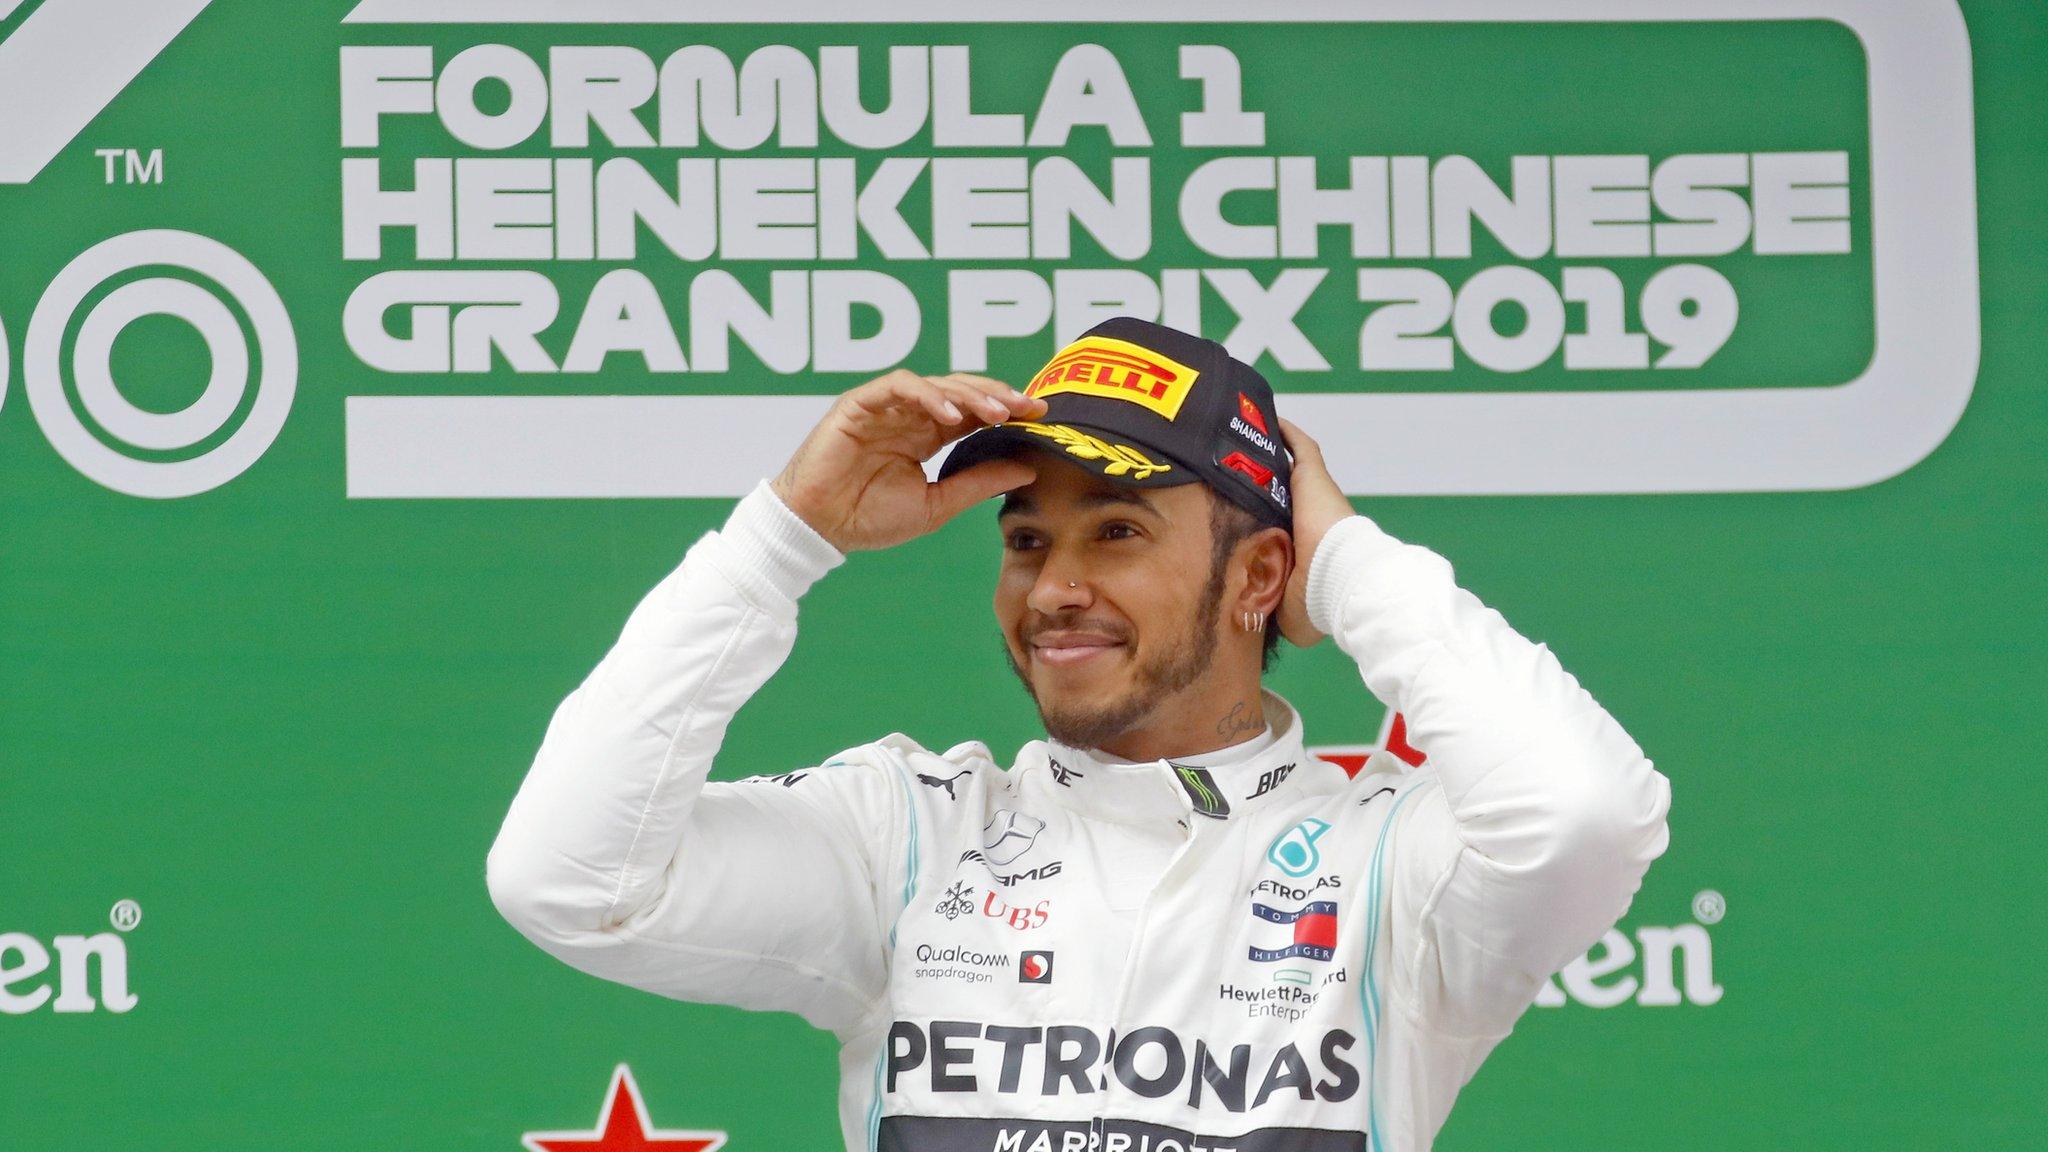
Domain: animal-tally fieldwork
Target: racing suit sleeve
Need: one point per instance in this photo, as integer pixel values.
(619, 859)
(1544, 815)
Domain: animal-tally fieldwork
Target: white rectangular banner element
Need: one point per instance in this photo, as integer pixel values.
(1785, 435)
(527, 447)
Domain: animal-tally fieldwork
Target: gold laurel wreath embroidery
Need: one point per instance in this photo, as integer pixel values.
(1122, 458)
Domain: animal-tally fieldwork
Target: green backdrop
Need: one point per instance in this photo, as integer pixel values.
(285, 722)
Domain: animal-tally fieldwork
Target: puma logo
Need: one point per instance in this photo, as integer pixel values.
(942, 782)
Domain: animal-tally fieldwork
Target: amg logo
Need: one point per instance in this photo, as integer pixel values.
(1042, 872)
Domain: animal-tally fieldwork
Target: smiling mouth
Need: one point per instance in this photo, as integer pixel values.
(1072, 650)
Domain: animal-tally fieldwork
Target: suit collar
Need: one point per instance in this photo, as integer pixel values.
(1161, 791)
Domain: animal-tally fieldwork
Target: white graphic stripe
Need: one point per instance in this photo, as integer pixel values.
(68, 61)
(569, 446)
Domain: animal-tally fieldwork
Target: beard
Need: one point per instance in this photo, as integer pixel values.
(1179, 664)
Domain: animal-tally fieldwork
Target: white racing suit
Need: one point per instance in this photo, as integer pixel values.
(1074, 954)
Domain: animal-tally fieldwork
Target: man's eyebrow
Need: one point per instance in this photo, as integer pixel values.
(1015, 504)
(1019, 504)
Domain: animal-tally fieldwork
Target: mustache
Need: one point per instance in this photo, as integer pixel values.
(1038, 625)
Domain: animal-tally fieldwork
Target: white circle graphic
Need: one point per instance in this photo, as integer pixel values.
(6, 355)
(198, 305)
(1708, 906)
(160, 296)
(126, 915)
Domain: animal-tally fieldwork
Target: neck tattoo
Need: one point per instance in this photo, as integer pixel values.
(1243, 721)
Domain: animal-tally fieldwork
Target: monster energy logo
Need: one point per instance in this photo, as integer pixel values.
(1202, 790)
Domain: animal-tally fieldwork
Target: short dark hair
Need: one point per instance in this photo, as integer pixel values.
(1230, 526)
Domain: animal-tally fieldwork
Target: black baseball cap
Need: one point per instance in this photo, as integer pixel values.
(1151, 406)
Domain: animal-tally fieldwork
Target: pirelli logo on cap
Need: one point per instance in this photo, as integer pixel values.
(1118, 369)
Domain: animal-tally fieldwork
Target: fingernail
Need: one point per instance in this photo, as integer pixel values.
(952, 410)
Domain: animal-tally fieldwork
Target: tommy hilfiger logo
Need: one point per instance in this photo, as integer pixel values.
(1314, 931)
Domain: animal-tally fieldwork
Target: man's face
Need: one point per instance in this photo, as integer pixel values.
(1105, 597)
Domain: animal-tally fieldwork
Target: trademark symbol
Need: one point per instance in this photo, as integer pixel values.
(131, 165)
(126, 915)
(1708, 906)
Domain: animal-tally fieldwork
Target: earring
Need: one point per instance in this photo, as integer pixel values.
(1251, 621)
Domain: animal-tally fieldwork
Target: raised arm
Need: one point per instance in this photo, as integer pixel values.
(619, 859)
(1544, 814)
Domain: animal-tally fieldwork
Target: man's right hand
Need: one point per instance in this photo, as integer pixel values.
(858, 478)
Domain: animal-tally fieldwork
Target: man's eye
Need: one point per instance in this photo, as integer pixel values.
(1021, 541)
(1118, 530)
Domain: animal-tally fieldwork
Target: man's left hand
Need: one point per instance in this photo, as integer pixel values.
(1318, 505)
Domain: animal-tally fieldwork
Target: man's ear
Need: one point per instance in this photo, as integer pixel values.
(1268, 559)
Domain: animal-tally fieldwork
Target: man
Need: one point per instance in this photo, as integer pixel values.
(1165, 928)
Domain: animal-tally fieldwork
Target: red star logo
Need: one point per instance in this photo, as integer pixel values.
(622, 1126)
(1393, 738)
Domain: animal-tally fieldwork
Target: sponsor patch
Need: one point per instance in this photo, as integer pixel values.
(1115, 459)
(1241, 463)
(953, 962)
(1008, 835)
(1047, 1060)
(943, 782)
(1286, 999)
(1119, 370)
(1034, 968)
(1201, 788)
(1314, 931)
(957, 902)
(1295, 851)
(1045, 871)
(1270, 779)
(1019, 916)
